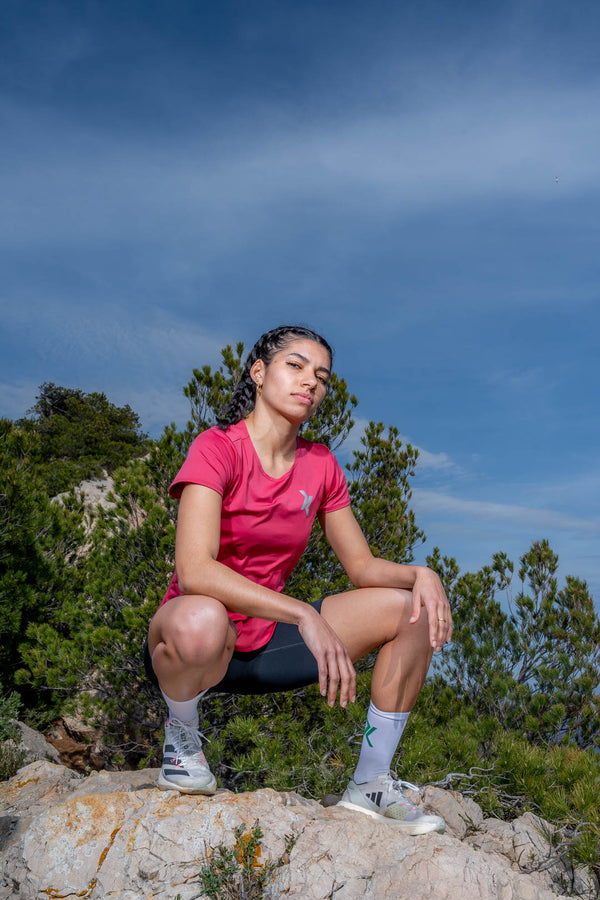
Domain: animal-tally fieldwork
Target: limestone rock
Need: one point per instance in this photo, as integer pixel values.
(461, 814)
(526, 843)
(34, 745)
(113, 834)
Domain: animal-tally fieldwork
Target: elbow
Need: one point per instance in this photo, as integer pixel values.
(358, 577)
(192, 580)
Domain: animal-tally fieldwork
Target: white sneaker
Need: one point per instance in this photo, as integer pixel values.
(184, 767)
(383, 799)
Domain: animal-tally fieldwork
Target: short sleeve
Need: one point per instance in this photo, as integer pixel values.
(336, 494)
(210, 462)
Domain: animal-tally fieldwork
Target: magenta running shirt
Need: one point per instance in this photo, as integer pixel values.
(265, 522)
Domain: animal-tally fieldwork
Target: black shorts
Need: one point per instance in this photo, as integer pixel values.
(283, 664)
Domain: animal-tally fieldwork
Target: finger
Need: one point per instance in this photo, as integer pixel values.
(334, 680)
(352, 681)
(435, 629)
(416, 608)
(348, 678)
(448, 635)
(445, 627)
(322, 676)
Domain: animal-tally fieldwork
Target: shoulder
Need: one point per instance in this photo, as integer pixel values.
(319, 456)
(313, 450)
(211, 461)
(214, 437)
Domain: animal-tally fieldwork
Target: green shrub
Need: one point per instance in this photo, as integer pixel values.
(239, 872)
(11, 755)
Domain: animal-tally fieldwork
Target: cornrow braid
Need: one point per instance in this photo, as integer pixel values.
(243, 397)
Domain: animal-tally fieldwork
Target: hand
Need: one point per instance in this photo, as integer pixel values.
(427, 591)
(335, 666)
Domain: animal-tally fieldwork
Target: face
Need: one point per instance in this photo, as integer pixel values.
(295, 381)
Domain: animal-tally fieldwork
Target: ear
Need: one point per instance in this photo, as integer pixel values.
(257, 371)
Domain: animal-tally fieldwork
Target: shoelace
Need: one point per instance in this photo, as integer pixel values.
(191, 739)
(399, 784)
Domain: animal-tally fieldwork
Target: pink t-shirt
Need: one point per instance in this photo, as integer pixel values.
(265, 522)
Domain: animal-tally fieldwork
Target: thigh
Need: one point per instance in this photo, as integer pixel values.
(368, 617)
(285, 663)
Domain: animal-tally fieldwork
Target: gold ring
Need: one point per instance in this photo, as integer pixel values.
(442, 620)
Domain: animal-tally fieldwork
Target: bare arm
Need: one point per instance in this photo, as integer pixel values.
(199, 572)
(365, 570)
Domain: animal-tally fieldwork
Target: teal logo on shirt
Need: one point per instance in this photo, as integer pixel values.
(307, 501)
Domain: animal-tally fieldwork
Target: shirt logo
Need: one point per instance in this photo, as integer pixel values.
(307, 501)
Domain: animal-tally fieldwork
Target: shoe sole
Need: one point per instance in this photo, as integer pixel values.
(164, 784)
(413, 828)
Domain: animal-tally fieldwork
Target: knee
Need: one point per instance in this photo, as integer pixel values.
(418, 631)
(199, 631)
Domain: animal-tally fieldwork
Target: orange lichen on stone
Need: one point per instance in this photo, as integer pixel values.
(104, 853)
(22, 784)
(55, 895)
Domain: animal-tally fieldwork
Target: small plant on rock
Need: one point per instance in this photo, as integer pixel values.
(237, 873)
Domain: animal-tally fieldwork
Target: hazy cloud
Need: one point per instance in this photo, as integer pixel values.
(437, 503)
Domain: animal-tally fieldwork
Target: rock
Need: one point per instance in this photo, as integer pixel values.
(526, 844)
(34, 745)
(78, 746)
(461, 814)
(113, 834)
(94, 491)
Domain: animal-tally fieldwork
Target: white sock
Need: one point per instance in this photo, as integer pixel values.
(184, 710)
(382, 735)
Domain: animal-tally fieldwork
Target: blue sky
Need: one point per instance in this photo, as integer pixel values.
(420, 181)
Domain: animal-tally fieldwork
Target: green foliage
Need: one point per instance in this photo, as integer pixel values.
(82, 435)
(380, 492)
(238, 872)
(11, 759)
(11, 755)
(9, 713)
(289, 741)
(39, 541)
(534, 662)
(209, 392)
(92, 650)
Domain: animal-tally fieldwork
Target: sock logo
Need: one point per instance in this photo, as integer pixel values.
(369, 729)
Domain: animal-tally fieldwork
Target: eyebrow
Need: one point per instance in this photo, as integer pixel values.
(307, 360)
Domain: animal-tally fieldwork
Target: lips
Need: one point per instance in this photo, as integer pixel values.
(303, 398)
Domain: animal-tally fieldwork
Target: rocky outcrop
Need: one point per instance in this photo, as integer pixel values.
(34, 745)
(112, 834)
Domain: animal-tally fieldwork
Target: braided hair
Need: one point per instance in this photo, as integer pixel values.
(243, 397)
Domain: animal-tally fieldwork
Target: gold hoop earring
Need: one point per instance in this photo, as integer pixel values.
(259, 389)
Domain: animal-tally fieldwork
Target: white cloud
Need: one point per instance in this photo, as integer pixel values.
(436, 461)
(398, 162)
(437, 503)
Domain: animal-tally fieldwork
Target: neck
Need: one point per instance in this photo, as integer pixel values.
(274, 437)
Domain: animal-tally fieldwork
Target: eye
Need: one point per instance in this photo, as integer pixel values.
(295, 365)
(322, 380)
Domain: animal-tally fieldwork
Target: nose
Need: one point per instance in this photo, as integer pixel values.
(310, 379)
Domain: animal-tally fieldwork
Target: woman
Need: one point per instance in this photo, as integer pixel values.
(249, 492)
